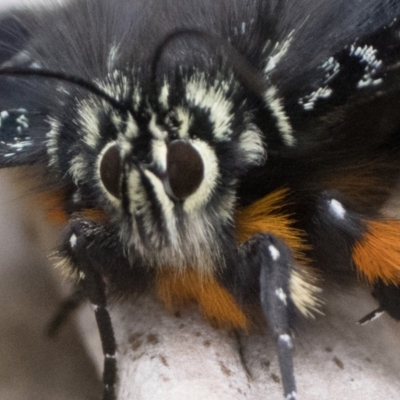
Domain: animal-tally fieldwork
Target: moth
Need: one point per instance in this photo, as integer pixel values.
(232, 153)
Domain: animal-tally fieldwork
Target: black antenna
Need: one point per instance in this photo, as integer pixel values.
(61, 76)
(250, 77)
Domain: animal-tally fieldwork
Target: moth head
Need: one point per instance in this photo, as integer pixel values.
(170, 172)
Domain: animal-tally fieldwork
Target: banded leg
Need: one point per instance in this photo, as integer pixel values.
(370, 244)
(93, 286)
(273, 259)
(388, 297)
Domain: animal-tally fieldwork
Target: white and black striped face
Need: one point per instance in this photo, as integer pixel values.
(168, 169)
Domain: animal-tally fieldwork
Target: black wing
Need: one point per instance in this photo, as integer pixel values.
(336, 72)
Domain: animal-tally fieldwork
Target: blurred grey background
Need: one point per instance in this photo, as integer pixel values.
(33, 366)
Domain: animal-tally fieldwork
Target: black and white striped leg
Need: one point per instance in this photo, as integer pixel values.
(80, 252)
(274, 260)
(388, 297)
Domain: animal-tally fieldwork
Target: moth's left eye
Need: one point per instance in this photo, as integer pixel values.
(110, 170)
(185, 169)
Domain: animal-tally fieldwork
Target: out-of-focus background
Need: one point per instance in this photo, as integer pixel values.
(169, 357)
(31, 365)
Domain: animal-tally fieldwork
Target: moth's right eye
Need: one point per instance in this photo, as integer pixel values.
(110, 170)
(185, 169)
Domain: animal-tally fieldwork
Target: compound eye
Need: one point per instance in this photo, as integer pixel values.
(185, 169)
(110, 170)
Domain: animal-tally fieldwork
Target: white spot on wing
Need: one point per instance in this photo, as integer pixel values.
(337, 208)
(368, 80)
(23, 121)
(309, 101)
(331, 67)
(367, 56)
(4, 115)
(19, 146)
